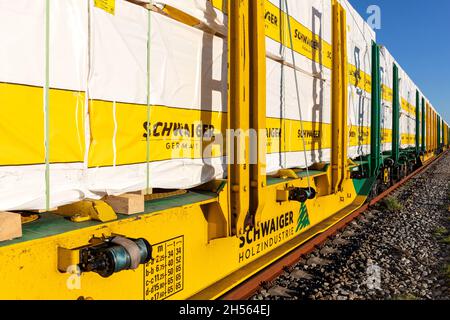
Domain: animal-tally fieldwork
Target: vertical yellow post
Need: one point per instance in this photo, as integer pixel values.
(238, 113)
(339, 112)
(258, 107)
(336, 116)
(445, 135)
(436, 131)
(433, 130)
(428, 128)
(344, 92)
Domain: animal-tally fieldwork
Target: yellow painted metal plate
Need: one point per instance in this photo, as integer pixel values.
(192, 260)
(106, 5)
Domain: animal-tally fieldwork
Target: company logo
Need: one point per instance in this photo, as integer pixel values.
(267, 228)
(271, 233)
(303, 218)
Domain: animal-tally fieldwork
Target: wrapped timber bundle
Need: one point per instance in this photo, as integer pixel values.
(297, 127)
(118, 98)
(310, 23)
(182, 71)
(309, 54)
(42, 105)
(134, 96)
(109, 123)
(407, 104)
(359, 45)
(408, 111)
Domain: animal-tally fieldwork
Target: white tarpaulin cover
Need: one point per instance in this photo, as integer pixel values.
(359, 45)
(98, 104)
(188, 76)
(127, 109)
(22, 56)
(407, 111)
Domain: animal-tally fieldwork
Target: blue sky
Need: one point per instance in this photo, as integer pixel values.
(417, 33)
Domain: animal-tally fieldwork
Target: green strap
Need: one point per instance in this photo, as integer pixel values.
(148, 94)
(46, 104)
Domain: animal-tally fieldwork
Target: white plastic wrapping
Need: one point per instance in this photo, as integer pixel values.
(310, 23)
(187, 72)
(311, 34)
(22, 182)
(359, 45)
(106, 141)
(408, 110)
(315, 97)
(99, 112)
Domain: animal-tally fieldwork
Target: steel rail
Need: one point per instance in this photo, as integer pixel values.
(250, 287)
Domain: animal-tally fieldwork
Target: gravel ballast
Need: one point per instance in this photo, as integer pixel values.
(398, 252)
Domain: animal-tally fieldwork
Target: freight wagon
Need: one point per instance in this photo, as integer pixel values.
(173, 149)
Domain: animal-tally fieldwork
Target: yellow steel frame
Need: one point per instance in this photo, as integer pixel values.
(433, 130)
(212, 263)
(217, 246)
(258, 181)
(339, 159)
(428, 138)
(445, 136)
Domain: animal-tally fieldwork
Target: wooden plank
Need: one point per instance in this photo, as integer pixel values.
(10, 226)
(142, 192)
(164, 195)
(128, 204)
(43, 210)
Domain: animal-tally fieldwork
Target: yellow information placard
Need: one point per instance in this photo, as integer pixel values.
(106, 5)
(164, 274)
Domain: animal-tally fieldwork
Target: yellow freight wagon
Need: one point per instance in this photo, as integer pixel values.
(103, 130)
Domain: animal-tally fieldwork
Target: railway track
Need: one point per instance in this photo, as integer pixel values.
(312, 257)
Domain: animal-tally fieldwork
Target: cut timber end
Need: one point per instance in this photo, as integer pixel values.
(10, 226)
(128, 204)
